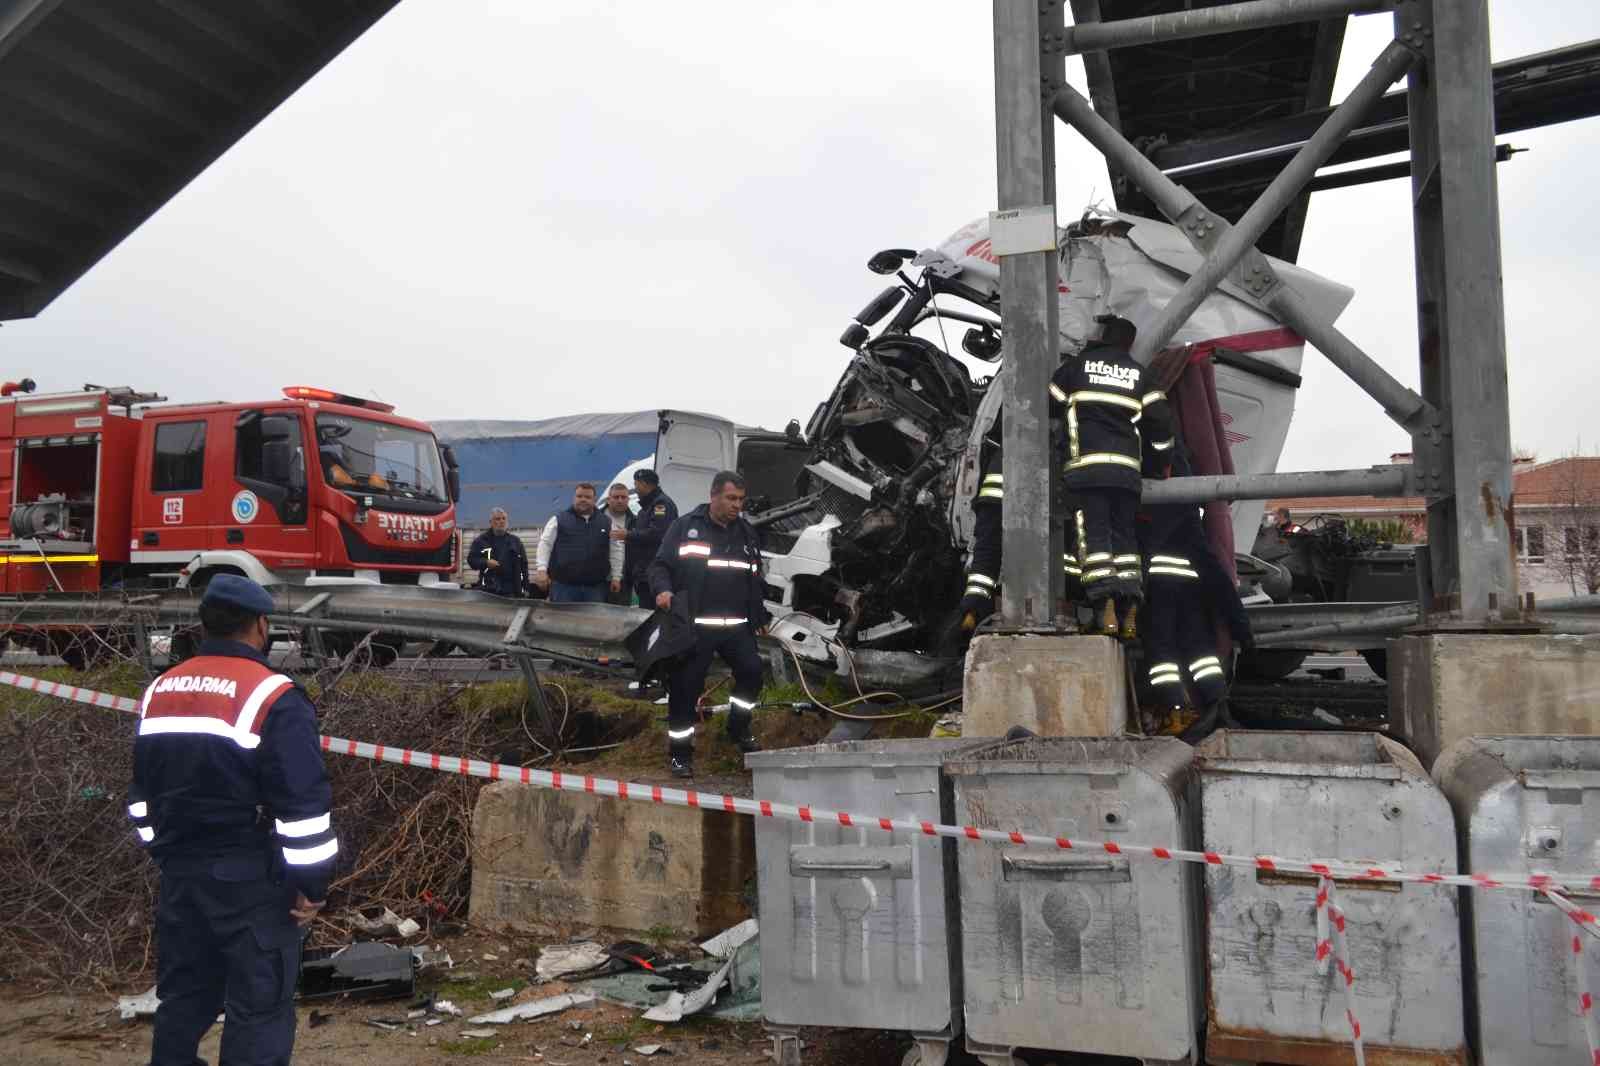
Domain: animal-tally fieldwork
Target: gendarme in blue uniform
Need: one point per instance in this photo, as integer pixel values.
(231, 797)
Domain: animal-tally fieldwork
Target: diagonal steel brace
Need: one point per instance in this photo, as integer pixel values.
(1230, 250)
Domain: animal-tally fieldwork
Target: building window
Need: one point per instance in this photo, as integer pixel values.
(180, 457)
(1530, 544)
(1571, 538)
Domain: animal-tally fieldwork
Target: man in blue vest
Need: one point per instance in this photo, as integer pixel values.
(232, 800)
(577, 560)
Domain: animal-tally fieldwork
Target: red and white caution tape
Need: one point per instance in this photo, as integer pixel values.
(1331, 946)
(1585, 924)
(759, 808)
(69, 692)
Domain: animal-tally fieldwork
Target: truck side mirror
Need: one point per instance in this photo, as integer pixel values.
(277, 461)
(452, 480)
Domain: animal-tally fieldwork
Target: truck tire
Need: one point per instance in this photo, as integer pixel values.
(1270, 664)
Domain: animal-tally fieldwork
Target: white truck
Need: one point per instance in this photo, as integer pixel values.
(867, 518)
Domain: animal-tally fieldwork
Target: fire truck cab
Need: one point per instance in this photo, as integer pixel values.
(106, 489)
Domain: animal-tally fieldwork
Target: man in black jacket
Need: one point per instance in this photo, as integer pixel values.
(499, 557)
(1109, 403)
(657, 512)
(711, 559)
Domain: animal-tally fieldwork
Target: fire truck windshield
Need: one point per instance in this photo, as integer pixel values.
(363, 456)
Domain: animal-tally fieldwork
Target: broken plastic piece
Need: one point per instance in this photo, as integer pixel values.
(478, 1034)
(502, 995)
(368, 970)
(536, 1009)
(561, 960)
(131, 1007)
(728, 941)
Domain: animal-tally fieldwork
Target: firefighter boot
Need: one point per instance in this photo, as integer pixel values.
(739, 727)
(680, 751)
(1130, 623)
(1108, 617)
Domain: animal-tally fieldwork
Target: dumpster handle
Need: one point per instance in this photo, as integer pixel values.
(1067, 869)
(812, 866)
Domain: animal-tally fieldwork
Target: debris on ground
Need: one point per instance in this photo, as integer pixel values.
(501, 995)
(429, 958)
(369, 970)
(651, 1049)
(728, 941)
(386, 923)
(444, 1006)
(536, 1009)
(563, 960)
(478, 1034)
(141, 1006)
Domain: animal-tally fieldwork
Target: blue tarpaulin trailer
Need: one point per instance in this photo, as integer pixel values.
(530, 468)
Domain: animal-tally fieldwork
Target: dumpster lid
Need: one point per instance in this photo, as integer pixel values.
(1367, 756)
(926, 751)
(1094, 756)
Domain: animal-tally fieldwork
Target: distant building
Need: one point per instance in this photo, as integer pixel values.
(1556, 521)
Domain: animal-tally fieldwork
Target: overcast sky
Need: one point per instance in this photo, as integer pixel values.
(504, 209)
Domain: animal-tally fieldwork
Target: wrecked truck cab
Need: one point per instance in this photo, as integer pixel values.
(864, 566)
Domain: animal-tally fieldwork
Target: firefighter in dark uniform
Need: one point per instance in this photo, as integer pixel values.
(231, 798)
(1109, 401)
(708, 572)
(983, 563)
(656, 514)
(499, 557)
(1188, 590)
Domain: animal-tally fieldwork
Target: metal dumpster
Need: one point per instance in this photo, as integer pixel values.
(1350, 796)
(858, 925)
(1079, 950)
(1524, 805)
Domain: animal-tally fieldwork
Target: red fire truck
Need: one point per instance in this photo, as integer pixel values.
(111, 489)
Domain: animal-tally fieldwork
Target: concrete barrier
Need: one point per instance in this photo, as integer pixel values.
(1073, 686)
(544, 858)
(1445, 687)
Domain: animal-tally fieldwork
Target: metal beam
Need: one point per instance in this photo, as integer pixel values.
(19, 18)
(1233, 242)
(120, 24)
(1372, 481)
(1180, 205)
(1399, 401)
(1025, 149)
(1461, 305)
(1531, 91)
(1205, 22)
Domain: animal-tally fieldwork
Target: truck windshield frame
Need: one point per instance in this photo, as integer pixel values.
(369, 457)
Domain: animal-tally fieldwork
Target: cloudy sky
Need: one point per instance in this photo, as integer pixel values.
(505, 209)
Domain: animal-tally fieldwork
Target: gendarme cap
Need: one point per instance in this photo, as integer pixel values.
(240, 593)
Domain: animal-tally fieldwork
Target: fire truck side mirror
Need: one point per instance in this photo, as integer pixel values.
(452, 479)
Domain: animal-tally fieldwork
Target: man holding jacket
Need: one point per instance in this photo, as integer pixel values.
(708, 574)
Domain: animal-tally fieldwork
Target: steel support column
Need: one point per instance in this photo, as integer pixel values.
(1025, 148)
(1460, 306)
(1225, 18)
